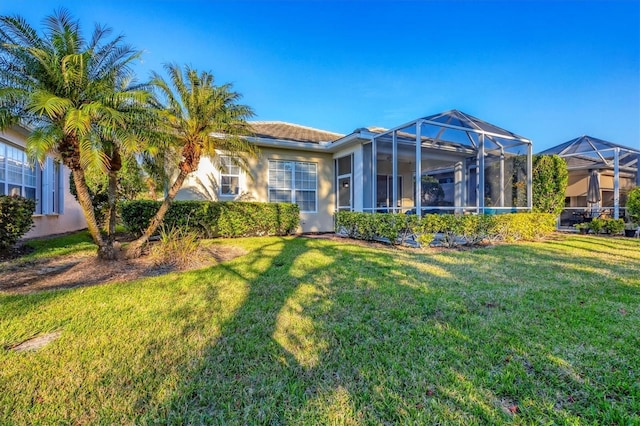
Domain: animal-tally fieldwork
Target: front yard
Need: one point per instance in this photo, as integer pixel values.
(312, 331)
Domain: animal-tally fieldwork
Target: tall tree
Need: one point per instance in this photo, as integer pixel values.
(550, 179)
(199, 118)
(66, 88)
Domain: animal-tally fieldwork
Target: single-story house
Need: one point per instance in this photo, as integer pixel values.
(465, 165)
(57, 211)
(601, 174)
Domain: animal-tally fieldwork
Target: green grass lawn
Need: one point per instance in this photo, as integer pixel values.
(310, 331)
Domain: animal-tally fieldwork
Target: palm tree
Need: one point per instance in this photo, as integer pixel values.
(199, 119)
(65, 88)
(124, 143)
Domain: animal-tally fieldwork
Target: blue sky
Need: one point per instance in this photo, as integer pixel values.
(547, 70)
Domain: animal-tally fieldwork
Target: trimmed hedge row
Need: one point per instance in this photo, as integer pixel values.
(15, 218)
(453, 229)
(212, 219)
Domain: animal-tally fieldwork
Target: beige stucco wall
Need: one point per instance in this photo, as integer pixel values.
(203, 184)
(72, 218)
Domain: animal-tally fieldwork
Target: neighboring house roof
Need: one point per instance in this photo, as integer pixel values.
(587, 152)
(375, 129)
(291, 132)
(585, 144)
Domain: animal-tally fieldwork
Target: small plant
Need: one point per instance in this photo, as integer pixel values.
(596, 225)
(15, 218)
(178, 246)
(582, 227)
(614, 226)
(630, 229)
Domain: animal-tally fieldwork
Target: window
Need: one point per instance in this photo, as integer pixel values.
(19, 177)
(229, 176)
(293, 182)
(50, 192)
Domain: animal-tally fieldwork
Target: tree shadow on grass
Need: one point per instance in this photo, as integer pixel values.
(323, 333)
(333, 333)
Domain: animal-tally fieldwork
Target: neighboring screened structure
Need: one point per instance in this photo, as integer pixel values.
(601, 174)
(464, 164)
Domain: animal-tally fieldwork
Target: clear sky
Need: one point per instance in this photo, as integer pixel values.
(547, 70)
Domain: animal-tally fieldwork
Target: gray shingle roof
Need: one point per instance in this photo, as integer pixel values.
(291, 132)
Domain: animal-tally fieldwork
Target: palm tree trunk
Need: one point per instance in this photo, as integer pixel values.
(111, 213)
(134, 249)
(115, 165)
(105, 249)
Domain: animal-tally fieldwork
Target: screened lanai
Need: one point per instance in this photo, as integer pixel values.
(465, 165)
(601, 174)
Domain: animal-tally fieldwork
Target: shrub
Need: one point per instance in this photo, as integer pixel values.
(451, 226)
(614, 226)
(15, 218)
(427, 228)
(216, 218)
(453, 229)
(596, 225)
(523, 226)
(582, 227)
(550, 179)
(633, 204)
(477, 228)
(396, 228)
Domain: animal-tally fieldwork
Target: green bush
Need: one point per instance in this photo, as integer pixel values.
(550, 179)
(216, 218)
(15, 218)
(452, 229)
(614, 226)
(581, 226)
(523, 226)
(633, 204)
(396, 228)
(428, 226)
(596, 225)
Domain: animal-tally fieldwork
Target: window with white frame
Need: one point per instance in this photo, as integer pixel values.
(229, 176)
(19, 177)
(294, 182)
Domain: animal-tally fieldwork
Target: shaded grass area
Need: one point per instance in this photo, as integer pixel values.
(60, 246)
(309, 331)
